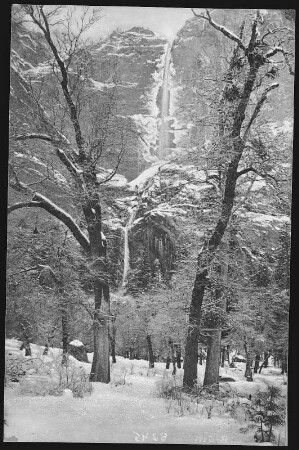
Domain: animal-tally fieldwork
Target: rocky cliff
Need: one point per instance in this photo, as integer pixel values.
(156, 92)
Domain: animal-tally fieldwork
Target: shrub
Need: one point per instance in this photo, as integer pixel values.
(14, 367)
(266, 411)
(119, 378)
(17, 366)
(53, 381)
(183, 400)
(70, 376)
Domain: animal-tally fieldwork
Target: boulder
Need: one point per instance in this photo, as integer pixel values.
(78, 350)
(224, 379)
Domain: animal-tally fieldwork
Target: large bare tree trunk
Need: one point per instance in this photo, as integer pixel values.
(213, 358)
(191, 349)
(100, 370)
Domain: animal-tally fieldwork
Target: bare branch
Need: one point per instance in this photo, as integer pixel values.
(40, 201)
(43, 24)
(24, 137)
(257, 108)
(252, 169)
(220, 28)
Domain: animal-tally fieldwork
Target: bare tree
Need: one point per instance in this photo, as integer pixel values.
(253, 53)
(79, 155)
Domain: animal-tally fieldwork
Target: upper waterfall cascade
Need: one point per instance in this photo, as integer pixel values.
(164, 128)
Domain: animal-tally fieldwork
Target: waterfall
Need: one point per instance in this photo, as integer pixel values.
(164, 131)
(126, 247)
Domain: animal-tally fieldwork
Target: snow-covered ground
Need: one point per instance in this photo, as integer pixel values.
(123, 413)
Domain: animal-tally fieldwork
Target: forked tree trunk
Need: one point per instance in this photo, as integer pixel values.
(213, 358)
(26, 346)
(151, 359)
(265, 362)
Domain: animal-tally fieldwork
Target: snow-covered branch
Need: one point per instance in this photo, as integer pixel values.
(220, 28)
(252, 169)
(60, 153)
(40, 201)
(24, 137)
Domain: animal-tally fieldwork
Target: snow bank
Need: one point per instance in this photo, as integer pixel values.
(123, 413)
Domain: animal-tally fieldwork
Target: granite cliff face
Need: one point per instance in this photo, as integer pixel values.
(199, 60)
(161, 91)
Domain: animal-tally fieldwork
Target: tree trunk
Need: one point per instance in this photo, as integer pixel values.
(100, 370)
(45, 352)
(151, 359)
(178, 357)
(265, 362)
(248, 371)
(131, 353)
(257, 363)
(266, 357)
(284, 363)
(26, 346)
(168, 360)
(173, 354)
(200, 356)
(193, 333)
(213, 358)
(64, 328)
(227, 350)
(113, 345)
(222, 356)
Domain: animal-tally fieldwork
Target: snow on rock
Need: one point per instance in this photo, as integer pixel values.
(116, 181)
(67, 393)
(265, 219)
(76, 343)
(141, 180)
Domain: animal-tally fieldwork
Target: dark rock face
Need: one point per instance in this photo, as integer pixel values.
(225, 379)
(78, 351)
